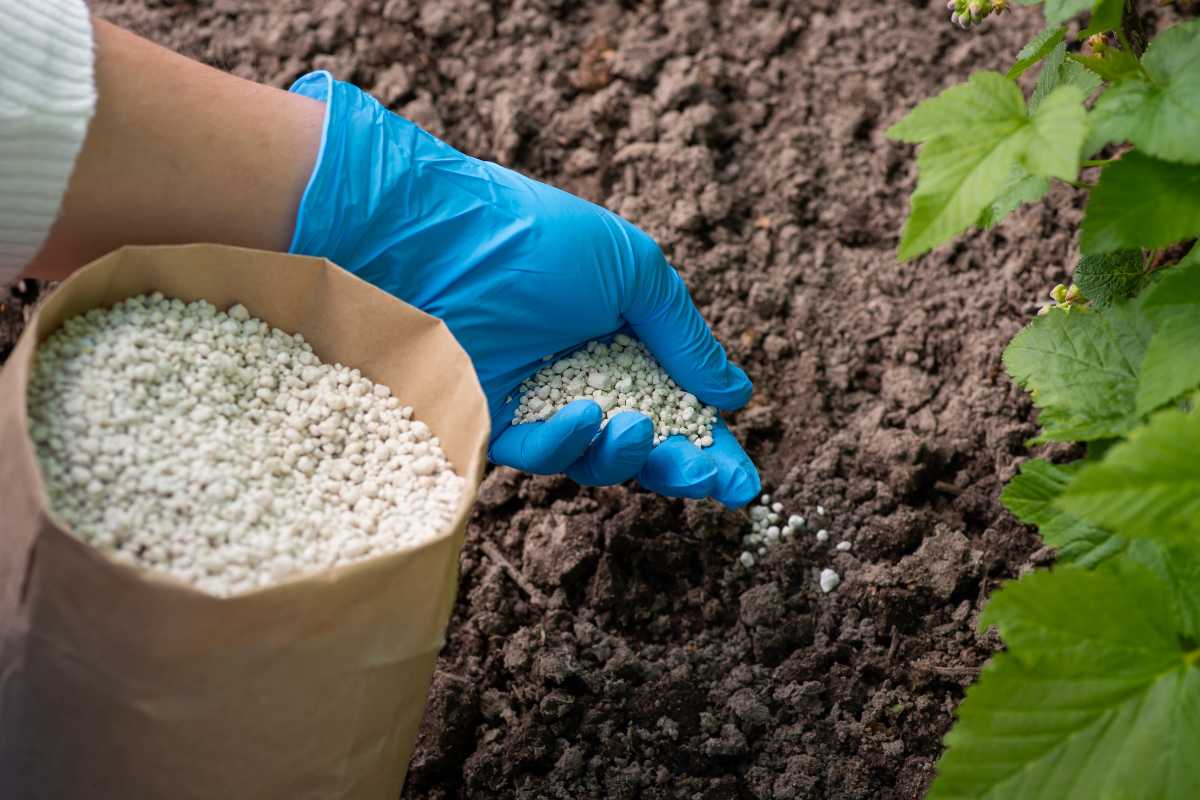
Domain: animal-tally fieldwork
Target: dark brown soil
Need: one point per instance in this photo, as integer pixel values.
(606, 643)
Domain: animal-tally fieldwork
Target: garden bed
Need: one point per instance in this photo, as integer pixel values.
(607, 642)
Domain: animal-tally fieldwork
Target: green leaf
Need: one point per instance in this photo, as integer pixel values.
(1058, 11)
(1106, 16)
(1159, 113)
(1177, 566)
(1171, 366)
(1142, 202)
(1081, 368)
(1038, 48)
(1059, 128)
(1097, 696)
(1178, 290)
(959, 178)
(1110, 277)
(1096, 449)
(1148, 486)
(972, 134)
(1192, 257)
(1021, 188)
(1112, 66)
(987, 105)
(1030, 497)
(1058, 71)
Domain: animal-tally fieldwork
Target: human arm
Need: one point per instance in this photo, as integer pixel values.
(180, 152)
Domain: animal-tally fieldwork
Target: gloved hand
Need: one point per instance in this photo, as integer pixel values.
(519, 270)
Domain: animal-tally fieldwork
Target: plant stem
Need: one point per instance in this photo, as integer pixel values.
(1125, 43)
(1133, 32)
(1097, 162)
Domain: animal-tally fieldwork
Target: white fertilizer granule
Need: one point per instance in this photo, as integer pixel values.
(211, 447)
(829, 580)
(621, 376)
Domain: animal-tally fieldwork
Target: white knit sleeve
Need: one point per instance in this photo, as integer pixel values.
(47, 98)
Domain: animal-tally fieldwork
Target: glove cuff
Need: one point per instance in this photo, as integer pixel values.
(319, 86)
(342, 191)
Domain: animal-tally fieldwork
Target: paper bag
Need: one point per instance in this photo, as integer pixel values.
(116, 682)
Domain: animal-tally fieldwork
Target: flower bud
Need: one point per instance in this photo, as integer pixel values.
(1059, 293)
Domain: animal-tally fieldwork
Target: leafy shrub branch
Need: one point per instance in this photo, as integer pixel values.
(1098, 692)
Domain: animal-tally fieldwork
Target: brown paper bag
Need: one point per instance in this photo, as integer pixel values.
(119, 683)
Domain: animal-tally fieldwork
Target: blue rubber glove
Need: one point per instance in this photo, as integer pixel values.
(519, 270)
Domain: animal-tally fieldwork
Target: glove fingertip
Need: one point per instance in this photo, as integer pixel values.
(677, 468)
(741, 487)
(617, 454)
(738, 391)
(549, 447)
(631, 426)
(578, 414)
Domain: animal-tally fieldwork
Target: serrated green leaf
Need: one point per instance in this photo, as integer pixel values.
(1030, 497)
(1038, 48)
(1097, 696)
(1112, 66)
(1142, 202)
(1059, 128)
(959, 178)
(1171, 367)
(1109, 277)
(1081, 368)
(1103, 129)
(1146, 487)
(972, 134)
(1106, 16)
(1021, 188)
(1058, 71)
(1058, 11)
(1178, 566)
(1178, 290)
(988, 105)
(1159, 111)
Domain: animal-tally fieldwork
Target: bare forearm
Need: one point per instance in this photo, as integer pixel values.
(180, 152)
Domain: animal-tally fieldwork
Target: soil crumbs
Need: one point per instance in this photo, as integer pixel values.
(607, 643)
